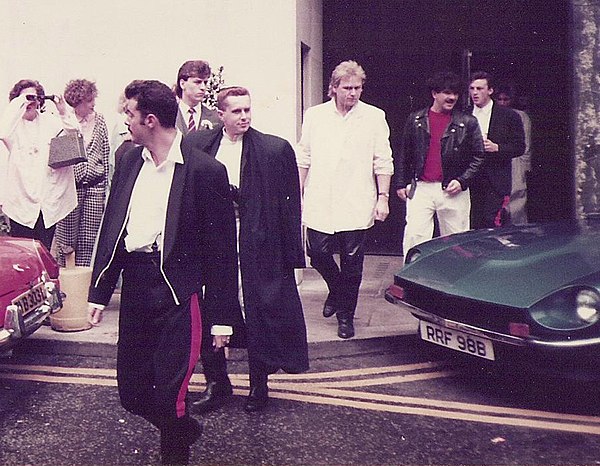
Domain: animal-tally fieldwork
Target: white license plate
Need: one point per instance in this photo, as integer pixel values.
(31, 299)
(457, 340)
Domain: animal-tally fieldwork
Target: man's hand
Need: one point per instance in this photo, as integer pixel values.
(402, 194)
(220, 341)
(453, 188)
(489, 146)
(382, 209)
(94, 314)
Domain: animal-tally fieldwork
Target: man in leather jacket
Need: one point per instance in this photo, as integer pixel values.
(441, 152)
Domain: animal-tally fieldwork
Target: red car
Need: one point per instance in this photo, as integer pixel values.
(29, 288)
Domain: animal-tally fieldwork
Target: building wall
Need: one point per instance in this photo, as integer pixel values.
(114, 42)
(586, 105)
(309, 62)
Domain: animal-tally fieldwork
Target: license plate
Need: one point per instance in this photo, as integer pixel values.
(31, 300)
(457, 340)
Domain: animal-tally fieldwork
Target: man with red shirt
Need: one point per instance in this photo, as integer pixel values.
(442, 150)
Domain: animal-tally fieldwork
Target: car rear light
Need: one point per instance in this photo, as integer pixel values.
(518, 330)
(396, 291)
(49, 263)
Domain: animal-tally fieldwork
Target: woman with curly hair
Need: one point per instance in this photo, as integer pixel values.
(36, 196)
(79, 229)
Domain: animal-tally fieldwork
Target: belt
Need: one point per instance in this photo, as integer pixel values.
(142, 258)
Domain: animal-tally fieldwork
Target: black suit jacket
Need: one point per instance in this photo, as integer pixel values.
(181, 122)
(199, 254)
(506, 130)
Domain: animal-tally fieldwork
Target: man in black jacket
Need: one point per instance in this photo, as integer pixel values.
(265, 187)
(503, 139)
(169, 226)
(441, 153)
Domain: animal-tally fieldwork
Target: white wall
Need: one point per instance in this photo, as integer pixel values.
(116, 41)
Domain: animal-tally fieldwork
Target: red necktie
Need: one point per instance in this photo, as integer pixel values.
(191, 122)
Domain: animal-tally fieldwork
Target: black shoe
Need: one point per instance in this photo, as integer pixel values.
(328, 308)
(213, 397)
(257, 399)
(175, 443)
(345, 328)
(193, 432)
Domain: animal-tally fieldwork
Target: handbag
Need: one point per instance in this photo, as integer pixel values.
(66, 149)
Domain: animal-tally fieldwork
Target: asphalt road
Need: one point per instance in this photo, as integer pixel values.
(404, 402)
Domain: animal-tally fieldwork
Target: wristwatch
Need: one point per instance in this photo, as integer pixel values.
(384, 194)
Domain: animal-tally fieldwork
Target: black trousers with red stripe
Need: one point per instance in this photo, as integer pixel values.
(158, 347)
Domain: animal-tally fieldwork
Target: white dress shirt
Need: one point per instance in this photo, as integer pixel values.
(483, 115)
(344, 154)
(31, 185)
(230, 155)
(148, 205)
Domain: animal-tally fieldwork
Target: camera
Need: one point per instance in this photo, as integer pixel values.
(41, 99)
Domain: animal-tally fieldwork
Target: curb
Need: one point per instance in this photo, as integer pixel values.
(316, 350)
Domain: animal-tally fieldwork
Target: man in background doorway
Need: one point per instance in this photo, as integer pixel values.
(503, 139)
(521, 166)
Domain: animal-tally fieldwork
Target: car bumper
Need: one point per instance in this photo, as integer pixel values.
(491, 335)
(574, 359)
(17, 326)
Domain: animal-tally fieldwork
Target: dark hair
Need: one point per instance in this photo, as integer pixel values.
(444, 81)
(229, 92)
(156, 98)
(483, 75)
(505, 89)
(192, 68)
(24, 84)
(80, 90)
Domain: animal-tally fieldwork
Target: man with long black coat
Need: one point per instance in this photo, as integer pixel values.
(169, 226)
(265, 188)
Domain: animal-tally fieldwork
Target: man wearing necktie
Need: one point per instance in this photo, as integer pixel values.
(191, 88)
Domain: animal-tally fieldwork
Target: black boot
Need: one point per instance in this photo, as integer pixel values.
(213, 397)
(329, 308)
(345, 327)
(258, 397)
(176, 439)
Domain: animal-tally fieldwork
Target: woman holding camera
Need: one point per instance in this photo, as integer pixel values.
(36, 196)
(79, 229)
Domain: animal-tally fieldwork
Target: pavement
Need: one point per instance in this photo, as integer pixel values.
(377, 322)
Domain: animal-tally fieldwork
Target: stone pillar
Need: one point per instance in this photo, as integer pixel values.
(585, 41)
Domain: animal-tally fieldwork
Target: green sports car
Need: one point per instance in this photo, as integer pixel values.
(528, 296)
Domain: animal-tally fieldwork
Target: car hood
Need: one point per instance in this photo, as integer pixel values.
(19, 264)
(515, 266)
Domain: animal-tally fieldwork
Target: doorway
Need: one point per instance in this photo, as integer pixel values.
(400, 43)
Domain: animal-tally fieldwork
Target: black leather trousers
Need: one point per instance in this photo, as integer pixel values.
(344, 280)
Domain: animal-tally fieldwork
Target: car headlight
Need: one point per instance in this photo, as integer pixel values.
(568, 309)
(412, 255)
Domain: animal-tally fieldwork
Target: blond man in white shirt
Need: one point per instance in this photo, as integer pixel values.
(345, 164)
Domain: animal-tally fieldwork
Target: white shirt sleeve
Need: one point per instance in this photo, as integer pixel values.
(383, 163)
(10, 118)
